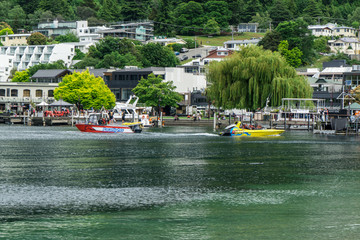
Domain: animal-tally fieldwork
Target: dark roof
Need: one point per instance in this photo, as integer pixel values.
(149, 69)
(96, 72)
(50, 73)
(335, 63)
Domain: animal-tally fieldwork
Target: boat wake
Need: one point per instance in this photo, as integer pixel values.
(17, 201)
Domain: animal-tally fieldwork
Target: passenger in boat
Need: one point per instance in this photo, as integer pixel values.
(111, 116)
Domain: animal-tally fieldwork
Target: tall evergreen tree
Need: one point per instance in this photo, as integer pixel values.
(163, 18)
(238, 10)
(135, 9)
(58, 7)
(219, 11)
(313, 9)
(252, 7)
(17, 17)
(109, 11)
(280, 12)
(189, 17)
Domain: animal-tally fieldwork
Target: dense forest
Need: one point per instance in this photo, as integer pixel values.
(180, 16)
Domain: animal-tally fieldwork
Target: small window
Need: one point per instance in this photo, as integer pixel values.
(51, 93)
(26, 93)
(39, 93)
(14, 92)
(2, 92)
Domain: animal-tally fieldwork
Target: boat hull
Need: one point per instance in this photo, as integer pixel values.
(253, 133)
(104, 129)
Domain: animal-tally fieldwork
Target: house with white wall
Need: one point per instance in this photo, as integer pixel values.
(350, 46)
(237, 44)
(332, 30)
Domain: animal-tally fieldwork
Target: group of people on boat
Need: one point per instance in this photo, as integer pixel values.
(251, 127)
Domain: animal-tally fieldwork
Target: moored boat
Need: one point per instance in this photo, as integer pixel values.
(237, 130)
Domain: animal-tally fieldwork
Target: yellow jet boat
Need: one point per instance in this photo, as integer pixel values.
(236, 130)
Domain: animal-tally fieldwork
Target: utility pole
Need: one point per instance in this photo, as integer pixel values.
(232, 32)
(270, 25)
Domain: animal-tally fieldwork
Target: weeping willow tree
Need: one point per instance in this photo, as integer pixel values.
(247, 78)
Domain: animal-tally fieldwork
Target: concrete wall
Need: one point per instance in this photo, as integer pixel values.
(185, 82)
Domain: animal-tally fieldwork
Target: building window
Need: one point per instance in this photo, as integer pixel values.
(39, 93)
(51, 93)
(26, 93)
(116, 92)
(14, 92)
(2, 92)
(125, 93)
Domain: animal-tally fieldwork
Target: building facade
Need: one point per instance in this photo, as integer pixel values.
(332, 30)
(141, 31)
(23, 57)
(237, 44)
(349, 46)
(14, 39)
(17, 96)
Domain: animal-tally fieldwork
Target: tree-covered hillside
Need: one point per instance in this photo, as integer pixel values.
(180, 16)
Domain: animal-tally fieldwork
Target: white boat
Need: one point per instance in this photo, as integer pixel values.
(132, 112)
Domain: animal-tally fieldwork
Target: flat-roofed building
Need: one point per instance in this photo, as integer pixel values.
(17, 96)
(14, 39)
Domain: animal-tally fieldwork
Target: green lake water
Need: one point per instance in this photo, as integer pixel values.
(177, 183)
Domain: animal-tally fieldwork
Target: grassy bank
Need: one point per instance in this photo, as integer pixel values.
(219, 40)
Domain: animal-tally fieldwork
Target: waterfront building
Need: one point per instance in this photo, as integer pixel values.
(330, 81)
(14, 39)
(49, 75)
(17, 96)
(121, 82)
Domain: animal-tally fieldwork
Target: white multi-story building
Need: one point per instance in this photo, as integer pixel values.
(6, 64)
(89, 34)
(79, 28)
(23, 57)
(332, 30)
(18, 96)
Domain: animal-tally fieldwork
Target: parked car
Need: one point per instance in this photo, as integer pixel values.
(184, 50)
(176, 53)
(183, 58)
(198, 55)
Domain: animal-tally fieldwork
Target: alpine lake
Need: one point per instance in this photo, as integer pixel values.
(177, 183)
